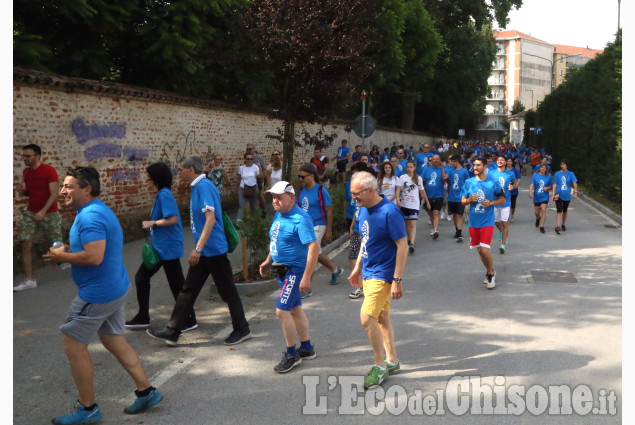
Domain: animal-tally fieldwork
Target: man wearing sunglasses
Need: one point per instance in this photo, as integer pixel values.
(41, 218)
(316, 201)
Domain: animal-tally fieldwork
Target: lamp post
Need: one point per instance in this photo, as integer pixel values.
(363, 97)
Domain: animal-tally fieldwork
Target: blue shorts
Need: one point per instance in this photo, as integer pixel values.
(290, 296)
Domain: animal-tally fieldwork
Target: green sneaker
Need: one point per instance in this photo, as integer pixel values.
(375, 377)
(392, 369)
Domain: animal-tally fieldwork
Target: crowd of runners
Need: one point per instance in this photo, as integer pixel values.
(476, 185)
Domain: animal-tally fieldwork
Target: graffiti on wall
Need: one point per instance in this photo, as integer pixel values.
(184, 145)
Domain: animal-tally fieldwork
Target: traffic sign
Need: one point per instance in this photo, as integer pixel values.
(370, 126)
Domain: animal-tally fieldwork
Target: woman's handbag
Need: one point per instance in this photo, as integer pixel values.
(249, 191)
(149, 255)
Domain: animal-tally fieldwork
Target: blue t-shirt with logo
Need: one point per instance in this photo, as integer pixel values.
(563, 182)
(422, 161)
(518, 177)
(503, 178)
(342, 153)
(109, 280)
(403, 164)
(308, 200)
(383, 157)
(398, 172)
(542, 185)
(434, 182)
(380, 226)
(456, 180)
(289, 237)
(167, 241)
(205, 197)
(486, 189)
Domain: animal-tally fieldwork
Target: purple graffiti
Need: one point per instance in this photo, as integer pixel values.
(134, 154)
(102, 150)
(84, 132)
(130, 173)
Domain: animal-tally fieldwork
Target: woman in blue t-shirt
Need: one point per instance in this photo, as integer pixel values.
(166, 236)
(539, 190)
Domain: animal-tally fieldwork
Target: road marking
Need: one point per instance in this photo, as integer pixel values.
(224, 333)
(162, 377)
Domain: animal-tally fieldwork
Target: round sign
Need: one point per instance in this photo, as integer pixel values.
(369, 127)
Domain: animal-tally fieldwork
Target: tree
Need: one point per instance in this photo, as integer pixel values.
(517, 107)
(317, 52)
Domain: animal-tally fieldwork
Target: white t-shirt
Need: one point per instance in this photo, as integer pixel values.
(276, 175)
(410, 191)
(388, 188)
(248, 175)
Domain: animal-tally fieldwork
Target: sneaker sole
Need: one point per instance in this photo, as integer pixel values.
(165, 340)
(245, 338)
(375, 385)
(459, 239)
(309, 357)
(137, 326)
(292, 366)
(490, 286)
(191, 328)
(354, 297)
(153, 402)
(436, 235)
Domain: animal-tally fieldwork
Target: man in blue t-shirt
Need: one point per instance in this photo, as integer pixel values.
(209, 256)
(481, 194)
(509, 163)
(95, 255)
(434, 176)
(506, 180)
(343, 156)
(385, 156)
(563, 181)
(293, 254)
(381, 262)
(316, 201)
(457, 175)
(422, 158)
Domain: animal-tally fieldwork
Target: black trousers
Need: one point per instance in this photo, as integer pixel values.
(221, 271)
(174, 274)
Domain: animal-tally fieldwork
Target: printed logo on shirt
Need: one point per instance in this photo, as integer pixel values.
(564, 183)
(365, 234)
(455, 184)
(274, 238)
(501, 181)
(481, 197)
(541, 186)
(305, 203)
(433, 179)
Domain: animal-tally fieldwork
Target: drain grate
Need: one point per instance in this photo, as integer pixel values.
(560, 277)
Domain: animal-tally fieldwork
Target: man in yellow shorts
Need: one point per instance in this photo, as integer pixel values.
(380, 263)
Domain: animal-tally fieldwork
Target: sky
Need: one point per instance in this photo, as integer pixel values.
(579, 23)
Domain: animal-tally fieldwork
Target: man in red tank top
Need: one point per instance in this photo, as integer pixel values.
(41, 218)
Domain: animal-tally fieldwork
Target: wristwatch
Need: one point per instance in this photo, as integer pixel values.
(397, 279)
(198, 250)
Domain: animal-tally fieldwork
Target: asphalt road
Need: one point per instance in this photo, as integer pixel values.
(532, 332)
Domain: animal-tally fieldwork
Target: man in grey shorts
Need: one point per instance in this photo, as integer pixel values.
(96, 247)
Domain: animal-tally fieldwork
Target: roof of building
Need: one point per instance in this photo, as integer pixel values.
(515, 34)
(572, 50)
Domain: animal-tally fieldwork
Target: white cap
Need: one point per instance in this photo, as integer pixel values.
(282, 187)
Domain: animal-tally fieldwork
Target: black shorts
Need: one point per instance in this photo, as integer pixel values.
(436, 203)
(537, 204)
(456, 208)
(259, 183)
(562, 206)
(341, 166)
(514, 201)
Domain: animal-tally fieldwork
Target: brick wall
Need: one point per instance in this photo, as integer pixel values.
(120, 130)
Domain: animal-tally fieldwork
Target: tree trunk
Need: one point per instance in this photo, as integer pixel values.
(288, 145)
(408, 113)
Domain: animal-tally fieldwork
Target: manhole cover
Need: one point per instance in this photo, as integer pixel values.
(562, 277)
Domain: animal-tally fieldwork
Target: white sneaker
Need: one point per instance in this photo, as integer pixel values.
(442, 215)
(491, 282)
(431, 232)
(27, 284)
(449, 217)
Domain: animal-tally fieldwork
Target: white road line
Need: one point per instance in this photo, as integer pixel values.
(162, 377)
(228, 329)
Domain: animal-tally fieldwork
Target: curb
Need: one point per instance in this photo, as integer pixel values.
(262, 286)
(610, 213)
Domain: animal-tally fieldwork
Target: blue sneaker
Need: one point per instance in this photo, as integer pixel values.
(143, 403)
(500, 236)
(79, 416)
(306, 294)
(335, 276)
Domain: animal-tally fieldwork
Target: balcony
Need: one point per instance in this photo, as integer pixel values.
(497, 96)
(498, 66)
(500, 81)
(495, 126)
(496, 112)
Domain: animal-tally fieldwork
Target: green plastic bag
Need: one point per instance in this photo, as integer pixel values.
(149, 256)
(230, 233)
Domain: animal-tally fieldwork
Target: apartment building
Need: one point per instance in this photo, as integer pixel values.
(568, 57)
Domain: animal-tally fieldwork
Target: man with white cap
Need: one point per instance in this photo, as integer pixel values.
(293, 255)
